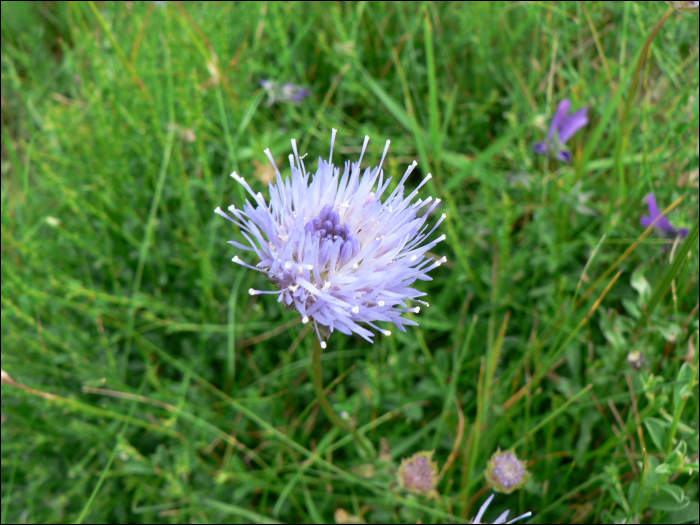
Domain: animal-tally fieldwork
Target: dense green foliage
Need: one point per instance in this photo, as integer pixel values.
(144, 384)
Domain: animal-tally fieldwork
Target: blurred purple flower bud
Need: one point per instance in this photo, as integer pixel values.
(505, 472)
(285, 93)
(562, 128)
(418, 474)
(662, 226)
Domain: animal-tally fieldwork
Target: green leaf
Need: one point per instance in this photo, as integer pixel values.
(657, 431)
(684, 385)
(674, 490)
(667, 501)
(675, 460)
(671, 332)
(642, 286)
(631, 308)
(686, 515)
(664, 470)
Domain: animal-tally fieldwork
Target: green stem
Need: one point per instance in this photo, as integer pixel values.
(632, 91)
(317, 368)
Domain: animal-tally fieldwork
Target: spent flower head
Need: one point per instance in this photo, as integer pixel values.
(562, 128)
(339, 247)
(662, 226)
(419, 473)
(685, 7)
(501, 519)
(505, 472)
(283, 93)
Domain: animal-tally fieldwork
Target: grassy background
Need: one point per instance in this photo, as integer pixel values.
(146, 385)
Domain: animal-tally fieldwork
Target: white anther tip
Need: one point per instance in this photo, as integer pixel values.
(305, 319)
(381, 303)
(324, 345)
(387, 332)
(236, 259)
(355, 309)
(251, 291)
(417, 309)
(217, 210)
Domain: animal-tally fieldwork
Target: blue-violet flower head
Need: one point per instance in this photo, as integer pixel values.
(562, 128)
(662, 226)
(338, 248)
(501, 519)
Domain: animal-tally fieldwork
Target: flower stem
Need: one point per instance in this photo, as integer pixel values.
(632, 91)
(316, 366)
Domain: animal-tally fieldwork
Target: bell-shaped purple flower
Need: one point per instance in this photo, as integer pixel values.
(562, 128)
(662, 226)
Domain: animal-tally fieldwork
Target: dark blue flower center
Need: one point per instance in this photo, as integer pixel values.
(337, 242)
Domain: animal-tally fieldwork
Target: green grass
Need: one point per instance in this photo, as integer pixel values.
(146, 385)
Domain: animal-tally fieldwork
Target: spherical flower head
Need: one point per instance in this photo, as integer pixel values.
(505, 472)
(338, 246)
(419, 473)
(685, 7)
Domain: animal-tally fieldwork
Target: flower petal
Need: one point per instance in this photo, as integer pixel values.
(564, 155)
(540, 148)
(572, 124)
(646, 221)
(559, 117)
(663, 223)
(482, 509)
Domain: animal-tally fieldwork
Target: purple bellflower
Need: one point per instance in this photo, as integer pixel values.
(339, 250)
(283, 93)
(501, 519)
(562, 128)
(663, 226)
